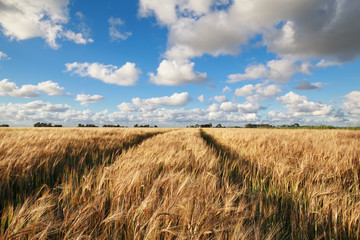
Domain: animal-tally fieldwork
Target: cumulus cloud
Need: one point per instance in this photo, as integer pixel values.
(280, 71)
(305, 85)
(175, 100)
(318, 29)
(201, 98)
(22, 20)
(229, 107)
(28, 113)
(34, 107)
(51, 88)
(126, 107)
(299, 105)
(307, 28)
(77, 37)
(114, 32)
(352, 105)
(174, 73)
(221, 99)
(214, 107)
(86, 98)
(232, 107)
(258, 92)
(30, 91)
(254, 95)
(246, 90)
(249, 107)
(163, 10)
(125, 75)
(295, 31)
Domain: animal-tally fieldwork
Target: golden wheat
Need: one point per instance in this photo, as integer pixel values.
(316, 170)
(179, 184)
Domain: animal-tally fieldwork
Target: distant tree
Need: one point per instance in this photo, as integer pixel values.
(57, 125)
(81, 125)
(39, 124)
(209, 125)
(249, 125)
(219, 126)
(155, 126)
(4, 125)
(136, 125)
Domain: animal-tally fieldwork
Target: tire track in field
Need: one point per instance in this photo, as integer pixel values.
(235, 170)
(156, 182)
(16, 190)
(286, 209)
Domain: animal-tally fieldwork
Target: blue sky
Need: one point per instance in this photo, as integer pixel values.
(180, 62)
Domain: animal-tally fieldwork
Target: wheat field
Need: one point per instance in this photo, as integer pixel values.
(166, 183)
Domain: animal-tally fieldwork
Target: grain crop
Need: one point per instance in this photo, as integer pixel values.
(164, 183)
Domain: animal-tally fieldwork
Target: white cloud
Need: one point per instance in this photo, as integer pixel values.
(292, 98)
(35, 107)
(173, 73)
(246, 90)
(295, 31)
(229, 107)
(175, 100)
(86, 98)
(304, 32)
(326, 63)
(214, 107)
(3, 56)
(226, 89)
(22, 20)
(51, 88)
(29, 113)
(251, 73)
(221, 99)
(7, 87)
(30, 91)
(268, 90)
(248, 107)
(77, 37)
(125, 75)
(114, 32)
(201, 98)
(164, 10)
(126, 107)
(300, 106)
(352, 105)
(258, 92)
(26, 91)
(280, 71)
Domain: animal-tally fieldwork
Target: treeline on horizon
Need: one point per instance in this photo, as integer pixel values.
(208, 125)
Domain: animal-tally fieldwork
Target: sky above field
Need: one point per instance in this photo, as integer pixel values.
(180, 62)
